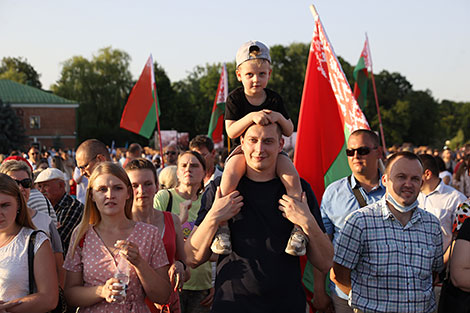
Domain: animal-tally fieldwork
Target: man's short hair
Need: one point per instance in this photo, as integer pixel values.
(135, 148)
(201, 141)
(405, 154)
(430, 163)
(93, 147)
(369, 133)
(278, 130)
(142, 164)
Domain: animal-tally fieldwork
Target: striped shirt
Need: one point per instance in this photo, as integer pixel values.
(37, 201)
(391, 265)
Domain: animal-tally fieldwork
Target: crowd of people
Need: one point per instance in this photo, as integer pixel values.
(86, 230)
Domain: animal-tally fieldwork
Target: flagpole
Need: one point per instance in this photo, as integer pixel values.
(158, 127)
(376, 98)
(157, 107)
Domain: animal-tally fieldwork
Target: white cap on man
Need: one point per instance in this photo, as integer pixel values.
(50, 174)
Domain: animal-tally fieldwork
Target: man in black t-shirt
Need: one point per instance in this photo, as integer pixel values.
(258, 276)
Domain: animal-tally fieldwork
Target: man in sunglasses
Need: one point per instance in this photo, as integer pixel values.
(33, 156)
(170, 154)
(344, 196)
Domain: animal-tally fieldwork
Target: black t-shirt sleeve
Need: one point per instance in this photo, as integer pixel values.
(207, 199)
(312, 203)
(464, 232)
(233, 106)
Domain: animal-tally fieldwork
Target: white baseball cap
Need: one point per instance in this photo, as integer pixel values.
(50, 174)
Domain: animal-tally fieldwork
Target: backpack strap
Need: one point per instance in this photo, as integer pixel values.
(170, 201)
(31, 242)
(357, 193)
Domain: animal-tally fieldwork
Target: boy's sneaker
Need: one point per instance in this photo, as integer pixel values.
(297, 244)
(221, 243)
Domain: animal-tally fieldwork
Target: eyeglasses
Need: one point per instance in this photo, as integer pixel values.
(86, 165)
(170, 152)
(26, 183)
(360, 151)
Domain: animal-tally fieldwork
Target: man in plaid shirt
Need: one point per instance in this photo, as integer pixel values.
(51, 182)
(387, 252)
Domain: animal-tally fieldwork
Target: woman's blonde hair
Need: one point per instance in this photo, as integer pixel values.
(9, 187)
(91, 214)
(167, 177)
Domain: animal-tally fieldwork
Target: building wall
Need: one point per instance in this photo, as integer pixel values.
(54, 124)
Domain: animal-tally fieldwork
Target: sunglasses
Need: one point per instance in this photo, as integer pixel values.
(360, 151)
(26, 183)
(170, 152)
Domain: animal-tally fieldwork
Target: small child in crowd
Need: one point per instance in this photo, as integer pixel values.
(254, 103)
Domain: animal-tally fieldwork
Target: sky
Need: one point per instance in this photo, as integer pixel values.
(428, 42)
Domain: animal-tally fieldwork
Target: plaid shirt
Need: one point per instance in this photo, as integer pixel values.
(69, 213)
(391, 265)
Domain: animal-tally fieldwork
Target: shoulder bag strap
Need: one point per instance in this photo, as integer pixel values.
(357, 193)
(170, 201)
(31, 242)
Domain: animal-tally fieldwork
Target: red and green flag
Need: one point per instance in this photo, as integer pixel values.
(140, 113)
(361, 76)
(328, 115)
(216, 125)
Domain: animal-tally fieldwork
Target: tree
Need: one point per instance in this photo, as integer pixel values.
(11, 130)
(20, 71)
(101, 86)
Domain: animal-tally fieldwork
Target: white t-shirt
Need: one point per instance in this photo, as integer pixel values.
(14, 279)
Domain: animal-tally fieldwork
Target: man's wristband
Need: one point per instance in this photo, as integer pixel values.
(184, 264)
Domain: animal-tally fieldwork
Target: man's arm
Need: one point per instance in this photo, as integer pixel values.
(197, 246)
(341, 276)
(319, 248)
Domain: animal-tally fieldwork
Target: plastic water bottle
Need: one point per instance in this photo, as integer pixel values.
(122, 274)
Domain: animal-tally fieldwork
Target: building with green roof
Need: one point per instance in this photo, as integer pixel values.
(48, 119)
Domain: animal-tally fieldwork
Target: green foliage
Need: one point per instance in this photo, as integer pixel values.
(11, 130)
(20, 71)
(458, 140)
(101, 86)
(288, 71)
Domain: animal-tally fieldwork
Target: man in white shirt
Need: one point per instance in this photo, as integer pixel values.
(439, 199)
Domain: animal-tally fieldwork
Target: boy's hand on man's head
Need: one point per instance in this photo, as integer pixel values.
(261, 118)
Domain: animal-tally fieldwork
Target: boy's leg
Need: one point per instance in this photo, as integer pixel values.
(286, 171)
(297, 244)
(235, 168)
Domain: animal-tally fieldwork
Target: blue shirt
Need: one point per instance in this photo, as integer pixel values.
(338, 202)
(391, 265)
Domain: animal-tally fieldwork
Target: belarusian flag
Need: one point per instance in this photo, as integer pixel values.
(216, 125)
(361, 76)
(140, 113)
(328, 114)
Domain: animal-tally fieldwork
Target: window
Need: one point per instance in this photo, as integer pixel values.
(35, 122)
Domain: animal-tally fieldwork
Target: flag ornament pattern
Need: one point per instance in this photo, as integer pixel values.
(361, 75)
(328, 114)
(140, 113)
(216, 124)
